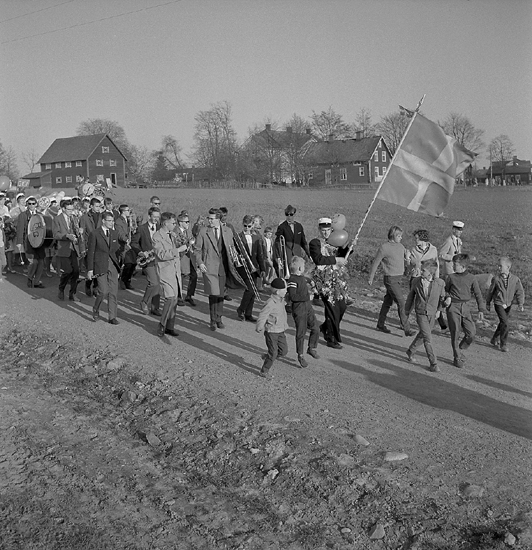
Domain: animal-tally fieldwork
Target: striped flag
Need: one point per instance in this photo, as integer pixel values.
(422, 173)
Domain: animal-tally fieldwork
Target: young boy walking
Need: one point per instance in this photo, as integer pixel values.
(302, 312)
(426, 295)
(272, 319)
(505, 288)
(459, 288)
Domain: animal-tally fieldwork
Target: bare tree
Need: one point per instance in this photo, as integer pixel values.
(141, 163)
(329, 123)
(501, 150)
(392, 127)
(171, 151)
(363, 123)
(30, 158)
(461, 128)
(215, 145)
(298, 124)
(8, 163)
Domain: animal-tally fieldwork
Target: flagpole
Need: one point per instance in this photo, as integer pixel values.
(354, 241)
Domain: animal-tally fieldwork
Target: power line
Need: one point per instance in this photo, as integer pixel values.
(36, 11)
(90, 22)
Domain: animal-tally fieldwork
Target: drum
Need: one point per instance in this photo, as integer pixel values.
(40, 231)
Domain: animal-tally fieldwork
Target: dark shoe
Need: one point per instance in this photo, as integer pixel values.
(38, 285)
(122, 285)
(171, 332)
(409, 333)
(302, 361)
(334, 345)
(113, 322)
(73, 298)
(61, 295)
(265, 374)
(29, 284)
(434, 368)
(410, 356)
(384, 329)
(228, 298)
(95, 315)
(464, 344)
(313, 353)
(251, 319)
(240, 315)
(504, 348)
(144, 308)
(212, 325)
(494, 341)
(219, 324)
(191, 301)
(264, 356)
(160, 331)
(129, 287)
(156, 312)
(459, 363)
(180, 302)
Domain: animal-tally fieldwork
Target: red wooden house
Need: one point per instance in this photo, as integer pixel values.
(78, 158)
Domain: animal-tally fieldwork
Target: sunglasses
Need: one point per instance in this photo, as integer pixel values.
(250, 225)
(293, 214)
(31, 203)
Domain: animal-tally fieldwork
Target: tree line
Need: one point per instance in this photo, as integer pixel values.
(221, 155)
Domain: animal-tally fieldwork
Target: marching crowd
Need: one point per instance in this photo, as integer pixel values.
(71, 236)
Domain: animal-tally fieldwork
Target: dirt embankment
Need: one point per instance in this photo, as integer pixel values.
(117, 439)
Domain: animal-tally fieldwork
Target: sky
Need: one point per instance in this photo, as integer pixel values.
(152, 65)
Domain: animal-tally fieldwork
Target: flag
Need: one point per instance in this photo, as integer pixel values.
(422, 173)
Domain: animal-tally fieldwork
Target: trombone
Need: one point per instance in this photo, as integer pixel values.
(282, 259)
(242, 257)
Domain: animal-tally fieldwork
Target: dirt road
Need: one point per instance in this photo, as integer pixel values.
(115, 438)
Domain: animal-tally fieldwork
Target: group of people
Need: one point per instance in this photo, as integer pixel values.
(110, 244)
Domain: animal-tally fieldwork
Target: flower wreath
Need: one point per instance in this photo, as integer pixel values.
(331, 280)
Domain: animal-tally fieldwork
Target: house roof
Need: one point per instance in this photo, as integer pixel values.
(36, 175)
(73, 148)
(343, 151)
(283, 139)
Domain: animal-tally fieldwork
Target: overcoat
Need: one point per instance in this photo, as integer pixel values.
(207, 251)
(167, 263)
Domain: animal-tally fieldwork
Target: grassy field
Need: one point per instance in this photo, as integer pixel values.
(498, 220)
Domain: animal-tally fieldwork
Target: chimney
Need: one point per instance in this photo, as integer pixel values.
(307, 131)
(358, 135)
(515, 160)
(268, 127)
(289, 129)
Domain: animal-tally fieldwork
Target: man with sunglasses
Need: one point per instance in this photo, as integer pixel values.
(294, 238)
(188, 262)
(250, 248)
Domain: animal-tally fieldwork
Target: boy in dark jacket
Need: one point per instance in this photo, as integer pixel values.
(459, 288)
(302, 312)
(425, 296)
(505, 288)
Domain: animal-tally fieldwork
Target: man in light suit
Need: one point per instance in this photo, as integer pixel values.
(213, 250)
(142, 242)
(253, 250)
(70, 248)
(103, 263)
(294, 238)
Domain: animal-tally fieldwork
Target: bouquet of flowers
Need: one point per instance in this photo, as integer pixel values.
(331, 282)
(144, 258)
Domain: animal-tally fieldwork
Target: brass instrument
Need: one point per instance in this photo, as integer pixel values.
(244, 261)
(144, 258)
(282, 261)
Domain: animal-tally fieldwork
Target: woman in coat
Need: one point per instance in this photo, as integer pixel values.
(168, 267)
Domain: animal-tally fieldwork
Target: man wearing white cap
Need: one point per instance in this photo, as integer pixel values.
(451, 246)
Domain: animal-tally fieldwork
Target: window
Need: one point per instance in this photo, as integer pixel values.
(68, 165)
(99, 162)
(58, 165)
(112, 163)
(105, 149)
(68, 179)
(328, 177)
(384, 170)
(79, 163)
(311, 175)
(100, 177)
(343, 174)
(59, 179)
(383, 156)
(377, 172)
(48, 167)
(376, 156)
(361, 171)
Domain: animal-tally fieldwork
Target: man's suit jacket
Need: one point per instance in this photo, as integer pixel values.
(101, 250)
(295, 241)
(449, 248)
(423, 304)
(141, 240)
(64, 245)
(256, 253)
(208, 251)
(87, 223)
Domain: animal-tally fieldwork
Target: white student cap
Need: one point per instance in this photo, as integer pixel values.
(458, 225)
(325, 222)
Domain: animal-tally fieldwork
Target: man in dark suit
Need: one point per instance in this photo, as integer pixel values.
(103, 263)
(142, 242)
(250, 248)
(126, 254)
(88, 222)
(213, 250)
(294, 239)
(70, 248)
(188, 262)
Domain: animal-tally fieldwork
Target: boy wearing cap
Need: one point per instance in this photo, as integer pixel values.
(451, 246)
(273, 320)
